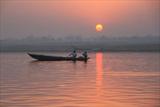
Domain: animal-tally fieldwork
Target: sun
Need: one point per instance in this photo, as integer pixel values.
(99, 27)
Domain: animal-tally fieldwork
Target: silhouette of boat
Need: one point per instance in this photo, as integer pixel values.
(55, 58)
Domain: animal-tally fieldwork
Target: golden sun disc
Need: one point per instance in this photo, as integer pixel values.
(99, 27)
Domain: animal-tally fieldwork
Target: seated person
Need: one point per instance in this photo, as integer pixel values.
(73, 54)
(85, 55)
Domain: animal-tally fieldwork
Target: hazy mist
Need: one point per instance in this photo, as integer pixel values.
(60, 18)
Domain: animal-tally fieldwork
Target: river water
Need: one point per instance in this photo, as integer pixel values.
(122, 79)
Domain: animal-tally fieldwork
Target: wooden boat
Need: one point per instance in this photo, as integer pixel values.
(55, 58)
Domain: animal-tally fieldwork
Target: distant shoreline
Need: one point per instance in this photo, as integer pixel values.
(23, 51)
(123, 44)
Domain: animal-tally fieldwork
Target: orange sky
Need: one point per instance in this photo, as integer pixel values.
(70, 17)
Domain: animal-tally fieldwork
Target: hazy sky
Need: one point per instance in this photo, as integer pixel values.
(59, 18)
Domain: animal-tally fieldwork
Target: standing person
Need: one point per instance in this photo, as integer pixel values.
(85, 55)
(73, 54)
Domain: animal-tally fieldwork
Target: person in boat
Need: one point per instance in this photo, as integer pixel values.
(73, 54)
(85, 55)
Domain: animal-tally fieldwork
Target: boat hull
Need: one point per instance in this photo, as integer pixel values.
(55, 58)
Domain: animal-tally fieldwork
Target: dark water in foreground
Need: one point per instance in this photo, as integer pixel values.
(106, 80)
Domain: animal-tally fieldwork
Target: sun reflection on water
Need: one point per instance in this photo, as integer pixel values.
(99, 73)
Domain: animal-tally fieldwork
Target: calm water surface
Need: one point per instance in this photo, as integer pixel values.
(106, 80)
